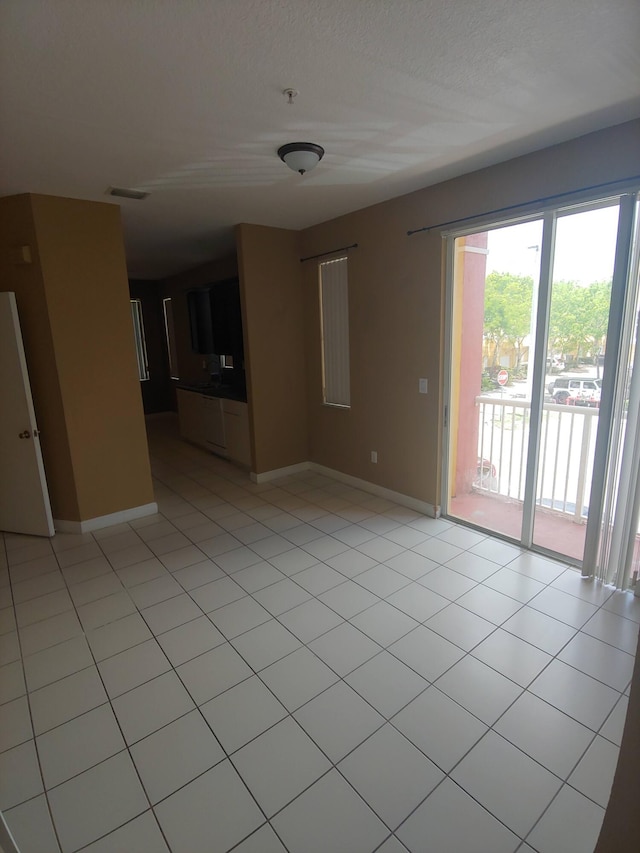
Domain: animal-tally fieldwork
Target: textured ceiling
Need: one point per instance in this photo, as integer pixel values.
(183, 98)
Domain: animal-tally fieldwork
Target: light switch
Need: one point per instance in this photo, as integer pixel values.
(422, 386)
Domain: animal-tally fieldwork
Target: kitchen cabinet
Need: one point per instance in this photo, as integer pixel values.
(236, 429)
(215, 423)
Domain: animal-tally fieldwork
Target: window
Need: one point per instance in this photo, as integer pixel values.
(334, 329)
(170, 335)
(138, 333)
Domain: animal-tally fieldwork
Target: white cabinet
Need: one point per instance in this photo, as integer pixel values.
(218, 424)
(236, 428)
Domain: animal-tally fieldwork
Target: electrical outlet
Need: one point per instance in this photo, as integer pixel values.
(374, 455)
(422, 386)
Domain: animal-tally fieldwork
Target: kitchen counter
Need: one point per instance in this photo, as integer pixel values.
(226, 392)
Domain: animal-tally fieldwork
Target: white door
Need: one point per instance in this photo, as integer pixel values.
(24, 498)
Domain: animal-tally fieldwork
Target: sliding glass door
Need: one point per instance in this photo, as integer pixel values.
(536, 313)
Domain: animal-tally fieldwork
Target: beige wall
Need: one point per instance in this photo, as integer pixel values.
(79, 343)
(272, 316)
(396, 290)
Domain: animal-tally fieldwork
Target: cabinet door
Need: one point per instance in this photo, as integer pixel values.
(214, 423)
(190, 416)
(236, 423)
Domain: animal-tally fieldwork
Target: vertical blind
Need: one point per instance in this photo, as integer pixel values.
(334, 313)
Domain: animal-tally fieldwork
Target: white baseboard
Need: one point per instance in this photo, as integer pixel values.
(423, 507)
(276, 473)
(101, 521)
(380, 491)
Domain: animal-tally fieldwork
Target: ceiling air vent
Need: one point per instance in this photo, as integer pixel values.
(124, 192)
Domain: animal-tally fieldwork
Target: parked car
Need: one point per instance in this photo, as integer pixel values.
(562, 388)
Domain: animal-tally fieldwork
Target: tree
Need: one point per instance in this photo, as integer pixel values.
(507, 311)
(579, 318)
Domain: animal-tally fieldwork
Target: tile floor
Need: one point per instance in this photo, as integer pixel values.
(300, 666)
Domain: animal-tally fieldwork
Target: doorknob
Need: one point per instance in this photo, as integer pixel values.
(25, 434)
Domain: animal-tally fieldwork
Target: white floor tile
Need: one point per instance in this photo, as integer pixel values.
(242, 713)
(174, 755)
(281, 596)
(514, 584)
(140, 835)
(582, 697)
(31, 827)
(460, 626)
(105, 610)
(426, 652)
(536, 567)
(386, 683)
(239, 616)
(329, 816)
(479, 689)
(190, 640)
(155, 591)
(418, 602)
(448, 583)
(563, 607)
(451, 820)
(263, 841)
(344, 648)
(147, 708)
(338, 720)
(588, 589)
(92, 590)
(198, 574)
(171, 613)
(297, 678)
(20, 777)
(293, 561)
(441, 728)
(550, 737)
(40, 585)
(12, 683)
(390, 774)
(15, 723)
(380, 549)
(511, 656)
(348, 599)
(542, 631)
(216, 594)
(50, 632)
(384, 623)
(599, 660)
(593, 776)
(118, 636)
(613, 629)
(437, 551)
(96, 802)
(133, 667)
(269, 768)
(213, 672)
(624, 604)
(265, 644)
(496, 551)
(571, 824)
(257, 576)
(352, 562)
(319, 578)
(489, 604)
(65, 699)
(9, 649)
(54, 663)
(507, 782)
(473, 566)
(310, 620)
(78, 745)
(462, 537)
(614, 724)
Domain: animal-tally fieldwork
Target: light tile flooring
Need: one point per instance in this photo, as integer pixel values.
(299, 666)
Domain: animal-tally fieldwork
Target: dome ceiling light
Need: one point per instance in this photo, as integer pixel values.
(301, 156)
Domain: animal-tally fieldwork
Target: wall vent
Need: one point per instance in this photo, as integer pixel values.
(125, 192)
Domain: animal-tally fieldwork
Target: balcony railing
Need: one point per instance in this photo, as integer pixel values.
(567, 445)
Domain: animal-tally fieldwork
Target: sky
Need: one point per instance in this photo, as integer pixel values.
(585, 247)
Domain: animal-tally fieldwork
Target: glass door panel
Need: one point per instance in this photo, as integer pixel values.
(583, 262)
(496, 275)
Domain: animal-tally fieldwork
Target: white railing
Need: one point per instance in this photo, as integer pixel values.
(567, 446)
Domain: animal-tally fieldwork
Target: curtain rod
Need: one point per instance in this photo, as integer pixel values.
(330, 252)
(523, 204)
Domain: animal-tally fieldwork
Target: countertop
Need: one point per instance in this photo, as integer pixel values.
(227, 392)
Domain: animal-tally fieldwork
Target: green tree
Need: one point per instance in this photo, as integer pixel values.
(579, 318)
(507, 312)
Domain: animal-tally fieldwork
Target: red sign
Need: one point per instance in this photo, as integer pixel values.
(503, 377)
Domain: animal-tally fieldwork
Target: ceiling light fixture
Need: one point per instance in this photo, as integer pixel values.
(301, 156)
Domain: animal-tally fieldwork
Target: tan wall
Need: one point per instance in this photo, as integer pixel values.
(16, 230)
(272, 316)
(74, 307)
(396, 290)
(176, 287)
